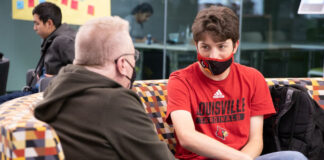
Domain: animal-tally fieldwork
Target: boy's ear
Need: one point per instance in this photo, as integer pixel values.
(237, 43)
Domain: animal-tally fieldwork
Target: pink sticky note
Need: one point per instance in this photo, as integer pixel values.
(65, 2)
(74, 4)
(91, 9)
(31, 3)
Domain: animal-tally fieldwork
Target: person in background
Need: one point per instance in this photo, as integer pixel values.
(140, 14)
(57, 49)
(216, 106)
(90, 104)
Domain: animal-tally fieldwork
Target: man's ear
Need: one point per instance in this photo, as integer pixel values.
(121, 66)
(50, 22)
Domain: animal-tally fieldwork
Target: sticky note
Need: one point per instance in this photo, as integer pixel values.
(41, 1)
(20, 4)
(90, 9)
(74, 4)
(31, 3)
(65, 2)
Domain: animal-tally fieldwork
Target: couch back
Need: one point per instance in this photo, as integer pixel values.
(23, 136)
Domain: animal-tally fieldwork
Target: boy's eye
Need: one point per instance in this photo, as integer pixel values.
(205, 47)
(221, 46)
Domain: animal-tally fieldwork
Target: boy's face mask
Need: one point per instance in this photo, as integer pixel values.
(213, 65)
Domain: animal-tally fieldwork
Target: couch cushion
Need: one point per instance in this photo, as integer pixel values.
(22, 136)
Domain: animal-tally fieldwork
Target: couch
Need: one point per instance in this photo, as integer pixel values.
(24, 137)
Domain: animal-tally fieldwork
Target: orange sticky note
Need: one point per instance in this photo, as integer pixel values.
(91, 9)
(65, 2)
(31, 3)
(74, 4)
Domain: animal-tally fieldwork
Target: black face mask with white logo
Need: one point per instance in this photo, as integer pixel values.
(215, 66)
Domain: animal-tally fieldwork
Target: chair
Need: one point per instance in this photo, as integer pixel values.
(43, 82)
(252, 36)
(29, 77)
(4, 69)
(315, 72)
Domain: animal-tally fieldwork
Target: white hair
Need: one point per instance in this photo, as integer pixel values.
(96, 39)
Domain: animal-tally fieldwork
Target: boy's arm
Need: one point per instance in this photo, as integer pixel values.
(254, 145)
(199, 143)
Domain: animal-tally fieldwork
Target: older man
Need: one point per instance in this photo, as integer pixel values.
(90, 105)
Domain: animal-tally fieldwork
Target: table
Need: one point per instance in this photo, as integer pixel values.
(173, 51)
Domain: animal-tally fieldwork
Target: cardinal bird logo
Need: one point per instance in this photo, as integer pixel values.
(221, 133)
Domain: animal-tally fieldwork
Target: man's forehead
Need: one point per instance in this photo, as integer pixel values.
(129, 49)
(122, 48)
(36, 17)
(125, 42)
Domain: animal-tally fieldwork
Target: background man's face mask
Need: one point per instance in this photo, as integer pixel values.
(213, 65)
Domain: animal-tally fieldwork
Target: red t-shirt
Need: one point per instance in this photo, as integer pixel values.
(220, 109)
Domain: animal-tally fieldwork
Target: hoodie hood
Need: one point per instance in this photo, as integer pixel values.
(63, 30)
(70, 81)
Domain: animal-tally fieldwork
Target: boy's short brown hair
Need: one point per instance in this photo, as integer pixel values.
(219, 22)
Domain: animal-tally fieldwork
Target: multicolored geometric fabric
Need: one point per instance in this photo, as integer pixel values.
(153, 95)
(22, 136)
(315, 86)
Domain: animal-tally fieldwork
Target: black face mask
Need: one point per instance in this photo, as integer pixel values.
(132, 79)
(213, 65)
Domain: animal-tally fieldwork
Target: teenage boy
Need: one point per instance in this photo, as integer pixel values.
(217, 106)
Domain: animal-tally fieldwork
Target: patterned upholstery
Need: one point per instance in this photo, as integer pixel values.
(154, 96)
(23, 137)
(315, 86)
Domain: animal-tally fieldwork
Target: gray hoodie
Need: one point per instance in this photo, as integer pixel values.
(58, 48)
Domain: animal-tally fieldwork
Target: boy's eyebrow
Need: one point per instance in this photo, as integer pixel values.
(218, 43)
(225, 42)
(203, 43)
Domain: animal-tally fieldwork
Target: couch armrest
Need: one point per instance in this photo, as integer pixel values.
(22, 136)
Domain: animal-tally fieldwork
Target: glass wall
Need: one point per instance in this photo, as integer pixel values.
(278, 41)
(274, 38)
